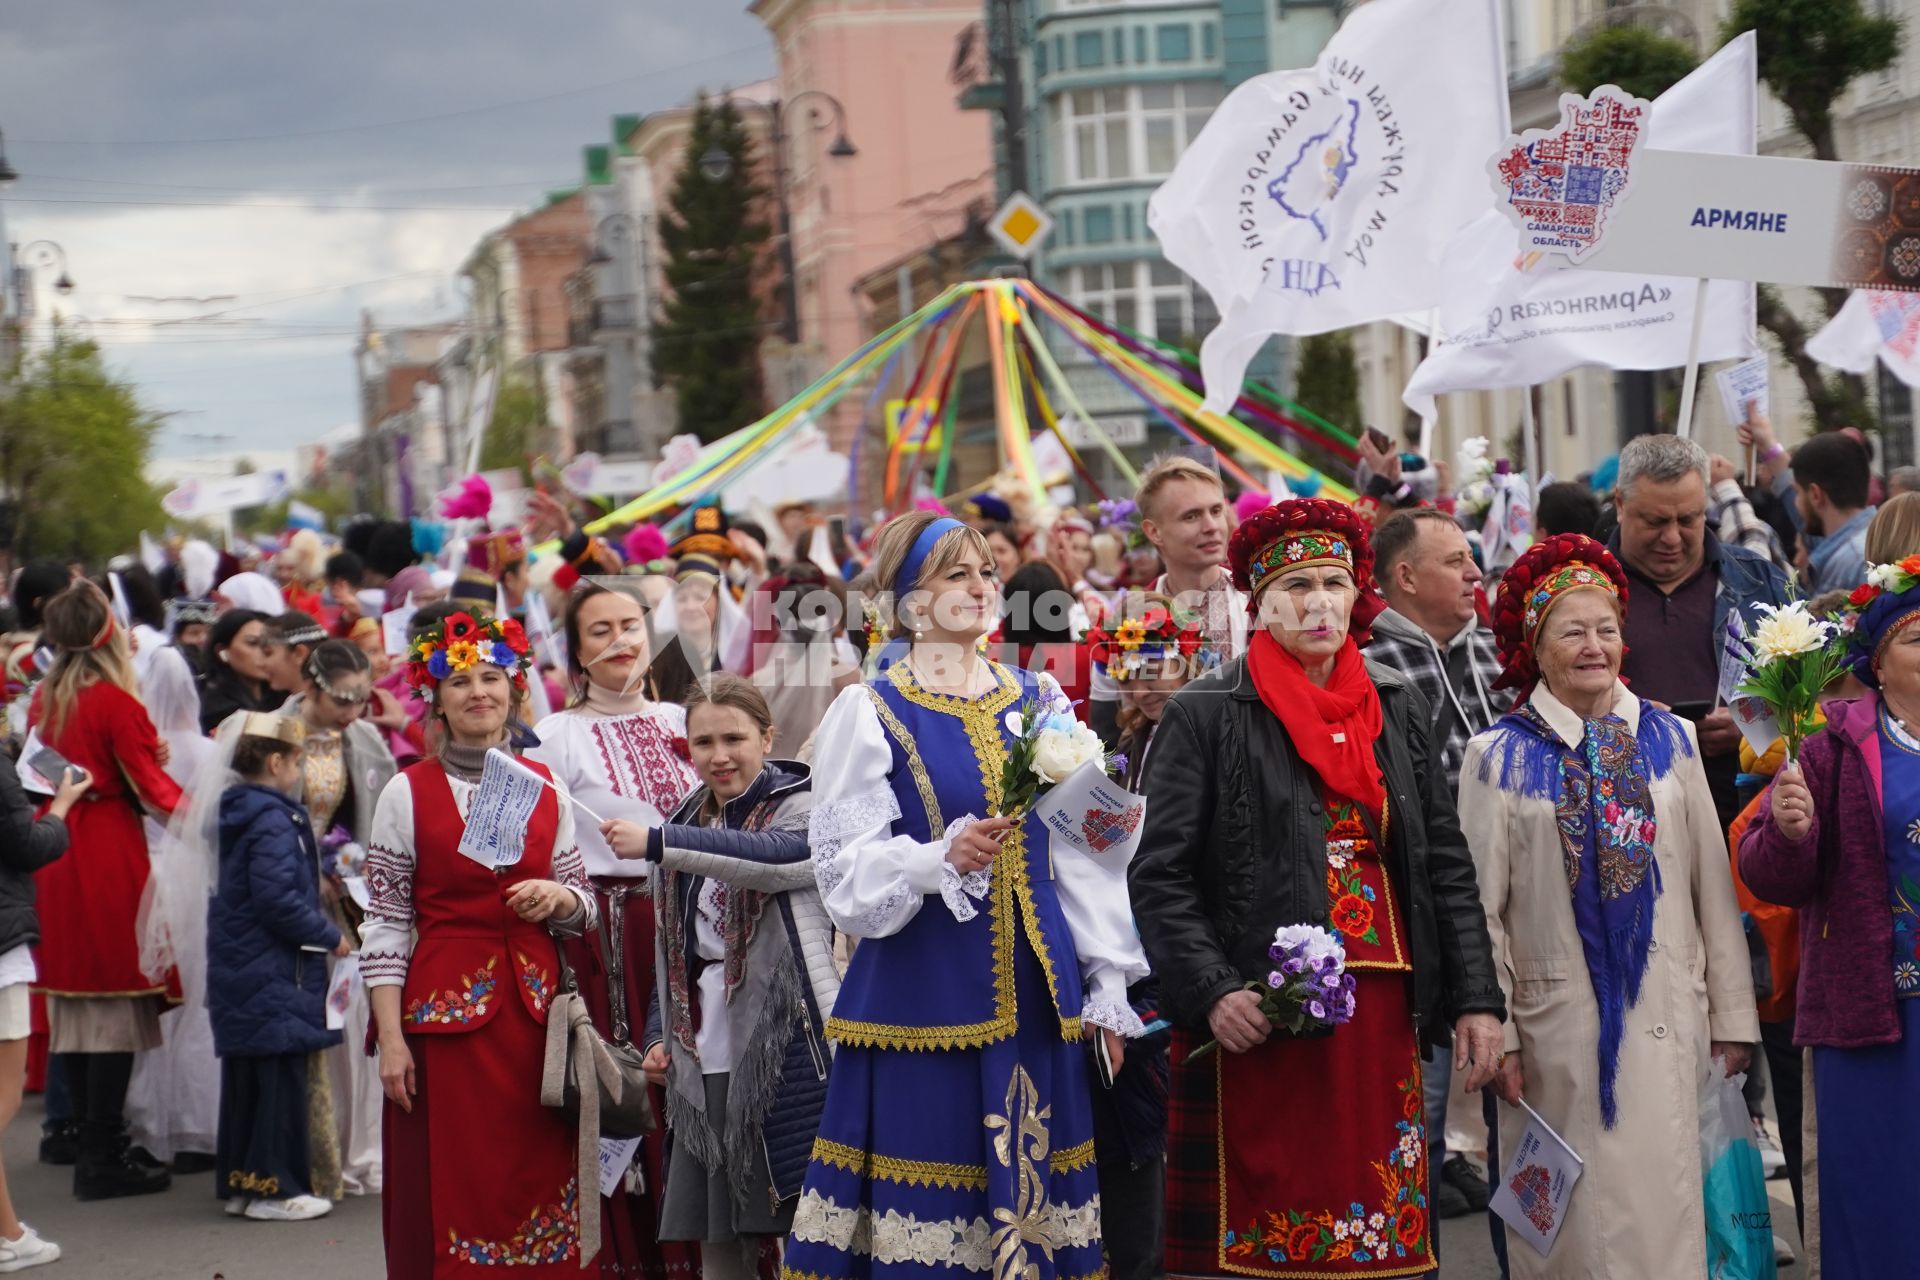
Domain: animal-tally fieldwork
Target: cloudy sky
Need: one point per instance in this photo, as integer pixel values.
(293, 164)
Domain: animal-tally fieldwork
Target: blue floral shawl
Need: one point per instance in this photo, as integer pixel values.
(1602, 800)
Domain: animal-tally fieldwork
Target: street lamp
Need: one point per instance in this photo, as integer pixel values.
(717, 164)
(45, 253)
(7, 172)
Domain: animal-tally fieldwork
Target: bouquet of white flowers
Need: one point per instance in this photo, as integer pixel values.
(1791, 657)
(1049, 744)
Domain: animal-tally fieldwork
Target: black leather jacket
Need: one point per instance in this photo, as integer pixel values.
(1235, 847)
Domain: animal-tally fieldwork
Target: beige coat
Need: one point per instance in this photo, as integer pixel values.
(1636, 1213)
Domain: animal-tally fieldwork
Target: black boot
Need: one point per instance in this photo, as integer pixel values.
(60, 1143)
(106, 1170)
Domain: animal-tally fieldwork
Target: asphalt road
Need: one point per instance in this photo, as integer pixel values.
(182, 1235)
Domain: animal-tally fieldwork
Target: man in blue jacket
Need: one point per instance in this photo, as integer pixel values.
(1683, 582)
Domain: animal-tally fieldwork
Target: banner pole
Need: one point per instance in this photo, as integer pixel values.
(1530, 446)
(1426, 424)
(1684, 428)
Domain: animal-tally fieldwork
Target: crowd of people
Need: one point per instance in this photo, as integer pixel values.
(891, 1025)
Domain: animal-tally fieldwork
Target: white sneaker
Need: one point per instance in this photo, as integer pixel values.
(1782, 1252)
(234, 1206)
(1773, 1162)
(28, 1251)
(292, 1209)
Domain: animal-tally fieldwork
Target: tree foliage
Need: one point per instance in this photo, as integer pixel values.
(519, 411)
(74, 444)
(707, 347)
(1326, 379)
(1644, 63)
(1810, 51)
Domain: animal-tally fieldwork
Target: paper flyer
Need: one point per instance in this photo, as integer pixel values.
(496, 830)
(1741, 385)
(616, 1156)
(393, 628)
(346, 975)
(1733, 657)
(1538, 1182)
(1756, 723)
(357, 890)
(1094, 814)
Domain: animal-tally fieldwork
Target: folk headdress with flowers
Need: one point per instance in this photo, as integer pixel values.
(1882, 607)
(1544, 572)
(1298, 532)
(1149, 642)
(462, 641)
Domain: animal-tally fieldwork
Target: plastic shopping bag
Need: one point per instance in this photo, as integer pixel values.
(1739, 1214)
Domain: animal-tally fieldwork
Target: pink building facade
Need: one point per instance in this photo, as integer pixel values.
(919, 159)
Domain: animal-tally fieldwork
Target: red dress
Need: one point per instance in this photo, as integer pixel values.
(478, 1175)
(1308, 1157)
(89, 899)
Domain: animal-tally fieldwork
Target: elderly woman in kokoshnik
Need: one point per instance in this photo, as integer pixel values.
(1299, 786)
(1839, 837)
(1611, 905)
(956, 1136)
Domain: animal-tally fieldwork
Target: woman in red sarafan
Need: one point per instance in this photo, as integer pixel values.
(101, 1009)
(460, 970)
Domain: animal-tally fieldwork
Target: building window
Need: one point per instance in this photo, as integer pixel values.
(1173, 44)
(1113, 134)
(1151, 297)
(1089, 50)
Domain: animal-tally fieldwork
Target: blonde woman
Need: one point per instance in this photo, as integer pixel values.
(101, 1008)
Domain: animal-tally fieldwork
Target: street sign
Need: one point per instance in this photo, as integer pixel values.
(1021, 226)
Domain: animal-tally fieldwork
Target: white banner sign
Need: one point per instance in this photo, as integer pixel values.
(197, 498)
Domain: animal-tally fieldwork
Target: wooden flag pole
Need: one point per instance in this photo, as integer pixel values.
(1688, 389)
(1530, 446)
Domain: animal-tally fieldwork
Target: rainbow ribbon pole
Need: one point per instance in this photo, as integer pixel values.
(1026, 377)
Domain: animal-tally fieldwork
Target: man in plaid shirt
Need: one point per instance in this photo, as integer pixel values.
(1431, 633)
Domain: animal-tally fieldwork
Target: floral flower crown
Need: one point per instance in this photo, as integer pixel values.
(460, 642)
(1148, 642)
(1878, 610)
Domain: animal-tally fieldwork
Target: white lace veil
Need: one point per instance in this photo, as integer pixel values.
(732, 645)
(186, 866)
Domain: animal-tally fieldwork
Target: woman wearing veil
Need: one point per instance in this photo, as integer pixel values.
(173, 1103)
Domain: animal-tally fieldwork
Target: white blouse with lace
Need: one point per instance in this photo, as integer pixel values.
(386, 936)
(874, 882)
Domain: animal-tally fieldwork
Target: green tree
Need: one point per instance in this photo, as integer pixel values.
(1644, 63)
(1326, 379)
(707, 347)
(519, 411)
(1810, 51)
(74, 444)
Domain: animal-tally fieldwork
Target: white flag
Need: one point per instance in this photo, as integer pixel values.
(1514, 320)
(1873, 323)
(1323, 197)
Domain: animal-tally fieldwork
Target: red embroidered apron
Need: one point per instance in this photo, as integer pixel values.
(1322, 1149)
(478, 1174)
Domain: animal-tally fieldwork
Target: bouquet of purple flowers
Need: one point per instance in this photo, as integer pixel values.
(1310, 984)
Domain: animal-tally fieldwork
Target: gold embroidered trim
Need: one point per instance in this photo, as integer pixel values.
(936, 824)
(258, 1184)
(925, 1173)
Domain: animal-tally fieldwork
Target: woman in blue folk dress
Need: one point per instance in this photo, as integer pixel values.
(957, 1136)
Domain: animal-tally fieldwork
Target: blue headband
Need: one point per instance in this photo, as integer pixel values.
(923, 545)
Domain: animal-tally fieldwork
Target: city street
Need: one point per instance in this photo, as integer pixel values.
(182, 1235)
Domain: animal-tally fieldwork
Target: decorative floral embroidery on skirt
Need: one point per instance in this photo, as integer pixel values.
(538, 982)
(254, 1183)
(1396, 1227)
(455, 1008)
(550, 1234)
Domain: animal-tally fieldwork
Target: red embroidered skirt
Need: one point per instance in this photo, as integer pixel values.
(479, 1175)
(1304, 1157)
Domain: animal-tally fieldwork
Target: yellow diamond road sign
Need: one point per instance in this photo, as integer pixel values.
(1021, 226)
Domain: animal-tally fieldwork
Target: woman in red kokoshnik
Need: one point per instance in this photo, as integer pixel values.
(478, 1173)
(101, 1008)
(1295, 786)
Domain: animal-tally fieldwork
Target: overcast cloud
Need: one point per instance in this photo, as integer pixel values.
(213, 147)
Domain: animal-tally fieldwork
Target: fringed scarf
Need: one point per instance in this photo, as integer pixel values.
(1603, 804)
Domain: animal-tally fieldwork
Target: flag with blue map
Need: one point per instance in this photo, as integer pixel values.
(1324, 196)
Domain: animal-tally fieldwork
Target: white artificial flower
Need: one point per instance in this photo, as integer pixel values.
(1884, 576)
(1057, 754)
(1788, 631)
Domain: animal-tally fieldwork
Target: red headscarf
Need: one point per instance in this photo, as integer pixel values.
(1333, 728)
(1544, 572)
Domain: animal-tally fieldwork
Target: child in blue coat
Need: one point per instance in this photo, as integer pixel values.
(267, 947)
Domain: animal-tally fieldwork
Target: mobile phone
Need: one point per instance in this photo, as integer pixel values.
(51, 765)
(1379, 440)
(1102, 1060)
(1694, 711)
